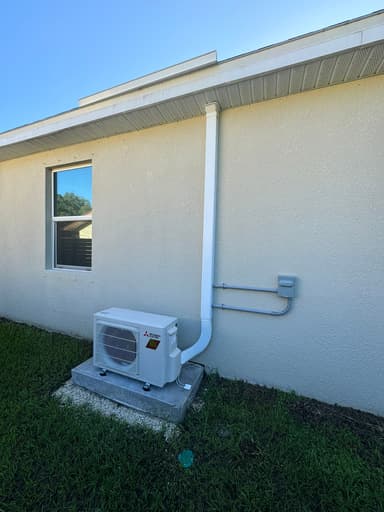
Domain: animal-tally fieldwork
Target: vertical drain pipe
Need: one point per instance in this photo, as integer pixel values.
(208, 249)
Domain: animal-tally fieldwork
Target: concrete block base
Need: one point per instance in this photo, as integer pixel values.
(170, 402)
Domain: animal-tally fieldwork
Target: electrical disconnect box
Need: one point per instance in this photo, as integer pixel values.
(286, 286)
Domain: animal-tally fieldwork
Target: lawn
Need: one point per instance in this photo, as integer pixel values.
(255, 449)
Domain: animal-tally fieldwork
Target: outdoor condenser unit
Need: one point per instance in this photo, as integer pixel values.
(140, 345)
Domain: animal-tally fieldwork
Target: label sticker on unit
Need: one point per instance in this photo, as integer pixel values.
(151, 335)
(152, 344)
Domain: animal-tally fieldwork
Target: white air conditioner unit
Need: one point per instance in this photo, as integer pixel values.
(140, 345)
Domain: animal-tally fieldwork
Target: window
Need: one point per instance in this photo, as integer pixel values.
(71, 227)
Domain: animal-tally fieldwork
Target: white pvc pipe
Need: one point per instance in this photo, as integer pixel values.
(208, 249)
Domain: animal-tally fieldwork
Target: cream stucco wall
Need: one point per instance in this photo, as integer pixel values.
(300, 191)
(147, 215)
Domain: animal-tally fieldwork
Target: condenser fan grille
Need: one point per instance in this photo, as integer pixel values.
(120, 344)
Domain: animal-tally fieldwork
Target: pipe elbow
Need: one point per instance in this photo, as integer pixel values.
(201, 344)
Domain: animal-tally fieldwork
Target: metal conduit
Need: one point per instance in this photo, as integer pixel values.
(258, 311)
(226, 286)
(255, 310)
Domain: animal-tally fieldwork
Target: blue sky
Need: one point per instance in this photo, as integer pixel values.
(55, 51)
(77, 181)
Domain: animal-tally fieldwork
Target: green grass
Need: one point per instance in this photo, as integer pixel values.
(255, 449)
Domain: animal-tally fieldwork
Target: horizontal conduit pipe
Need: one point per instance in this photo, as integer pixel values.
(245, 288)
(255, 310)
(286, 289)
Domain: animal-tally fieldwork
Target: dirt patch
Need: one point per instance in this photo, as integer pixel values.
(314, 412)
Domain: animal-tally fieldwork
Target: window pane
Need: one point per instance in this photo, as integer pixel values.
(74, 243)
(73, 192)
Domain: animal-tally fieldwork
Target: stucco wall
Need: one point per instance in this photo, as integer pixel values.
(300, 191)
(147, 216)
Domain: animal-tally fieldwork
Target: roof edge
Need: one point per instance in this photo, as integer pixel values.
(306, 35)
(187, 66)
(358, 33)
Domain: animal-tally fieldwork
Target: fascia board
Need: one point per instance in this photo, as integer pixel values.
(319, 45)
(188, 66)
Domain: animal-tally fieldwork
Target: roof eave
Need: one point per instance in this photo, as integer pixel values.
(366, 32)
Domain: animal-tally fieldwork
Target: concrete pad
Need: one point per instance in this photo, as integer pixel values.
(170, 402)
